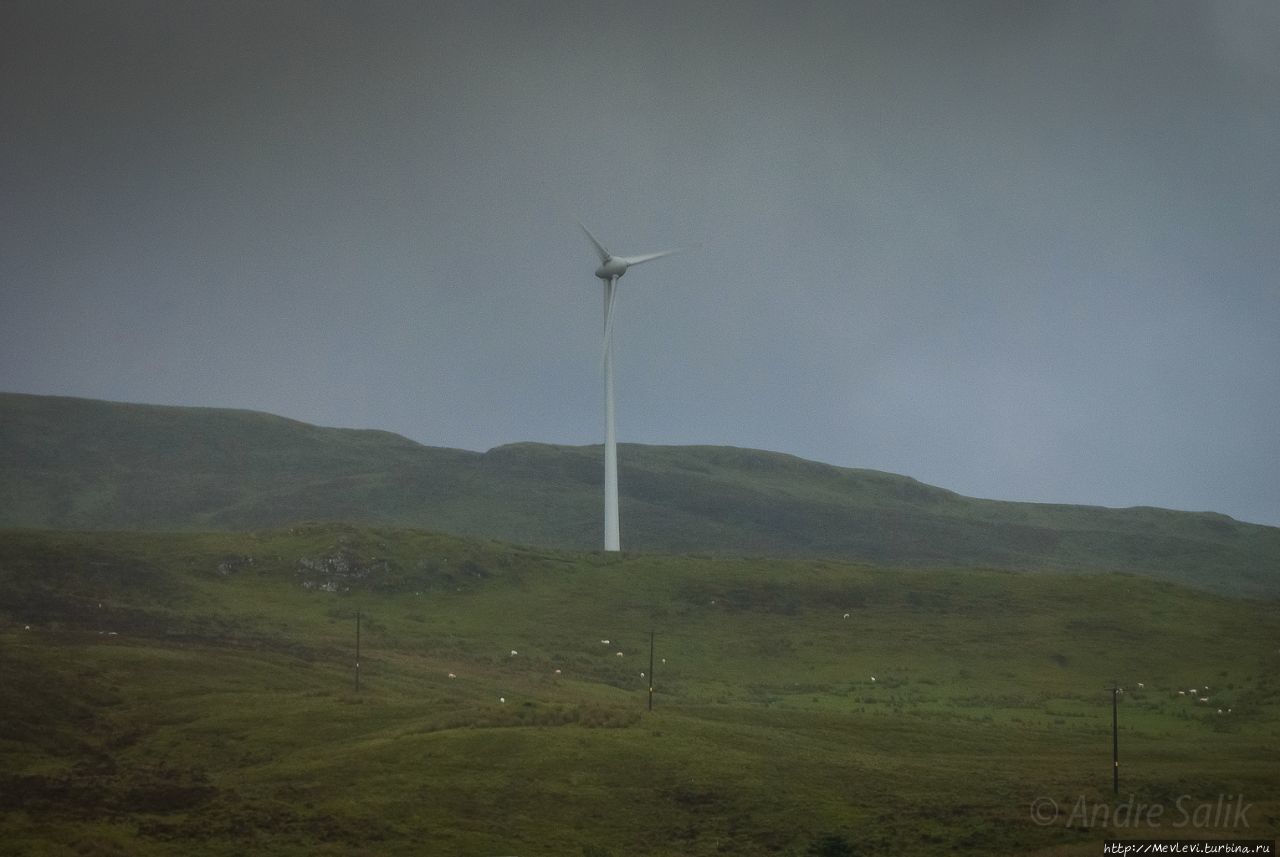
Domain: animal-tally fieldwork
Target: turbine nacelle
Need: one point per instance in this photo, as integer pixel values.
(612, 268)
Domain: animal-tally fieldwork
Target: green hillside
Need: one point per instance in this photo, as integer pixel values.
(193, 693)
(83, 464)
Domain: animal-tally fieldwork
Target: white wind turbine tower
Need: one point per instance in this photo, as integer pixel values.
(611, 268)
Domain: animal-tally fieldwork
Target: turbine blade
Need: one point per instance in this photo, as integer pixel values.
(604, 254)
(636, 260)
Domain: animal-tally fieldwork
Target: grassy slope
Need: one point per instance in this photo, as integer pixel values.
(77, 463)
(81, 464)
(219, 718)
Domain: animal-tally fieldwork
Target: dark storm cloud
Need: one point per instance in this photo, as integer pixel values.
(1018, 250)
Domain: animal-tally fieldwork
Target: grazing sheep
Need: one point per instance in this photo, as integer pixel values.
(619, 654)
(26, 627)
(514, 653)
(1219, 710)
(873, 678)
(557, 672)
(605, 642)
(1182, 693)
(451, 675)
(846, 615)
(502, 699)
(1141, 685)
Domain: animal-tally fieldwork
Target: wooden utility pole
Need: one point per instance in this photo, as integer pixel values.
(1115, 738)
(651, 670)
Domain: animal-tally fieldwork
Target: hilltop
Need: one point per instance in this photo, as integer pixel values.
(86, 465)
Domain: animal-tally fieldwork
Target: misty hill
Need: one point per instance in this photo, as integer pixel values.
(83, 464)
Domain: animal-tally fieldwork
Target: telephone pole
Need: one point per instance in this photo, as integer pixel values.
(1115, 737)
(651, 670)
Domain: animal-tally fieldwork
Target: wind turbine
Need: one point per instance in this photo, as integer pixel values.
(611, 268)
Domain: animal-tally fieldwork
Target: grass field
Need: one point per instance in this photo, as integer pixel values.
(194, 693)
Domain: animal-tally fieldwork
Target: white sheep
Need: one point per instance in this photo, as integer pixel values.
(451, 675)
(605, 642)
(1141, 685)
(846, 615)
(514, 653)
(619, 654)
(1182, 693)
(873, 678)
(557, 672)
(502, 699)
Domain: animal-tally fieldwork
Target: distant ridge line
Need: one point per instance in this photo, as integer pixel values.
(72, 463)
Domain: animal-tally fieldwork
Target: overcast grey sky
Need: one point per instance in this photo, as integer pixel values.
(1026, 251)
